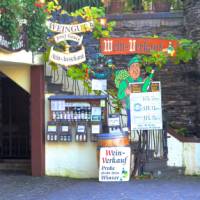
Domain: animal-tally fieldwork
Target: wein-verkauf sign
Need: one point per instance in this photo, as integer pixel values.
(146, 108)
(120, 46)
(6, 44)
(68, 59)
(114, 164)
(70, 28)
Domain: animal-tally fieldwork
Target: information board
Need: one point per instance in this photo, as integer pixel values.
(114, 164)
(146, 108)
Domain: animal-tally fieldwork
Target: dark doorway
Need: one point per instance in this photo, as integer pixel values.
(14, 121)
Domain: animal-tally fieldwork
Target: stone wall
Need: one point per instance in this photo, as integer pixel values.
(178, 81)
(192, 25)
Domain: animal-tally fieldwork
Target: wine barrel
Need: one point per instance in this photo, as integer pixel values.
(113, 140)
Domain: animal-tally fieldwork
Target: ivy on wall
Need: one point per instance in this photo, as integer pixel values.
(17, 16)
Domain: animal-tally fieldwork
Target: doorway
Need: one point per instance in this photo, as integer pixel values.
(14, 121)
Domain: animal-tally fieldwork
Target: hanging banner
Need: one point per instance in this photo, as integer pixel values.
(5, 44)
(114, 164)
(120, 46)
(67, 59)
(68, 36)
(146, 107)
(72, 28)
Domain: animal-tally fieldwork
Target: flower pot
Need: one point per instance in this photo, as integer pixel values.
(161, 6)
(116, 6)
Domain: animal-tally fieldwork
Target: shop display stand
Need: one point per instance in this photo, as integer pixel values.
(76, 118)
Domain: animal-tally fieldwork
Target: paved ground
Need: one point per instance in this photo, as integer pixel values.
(22, 187)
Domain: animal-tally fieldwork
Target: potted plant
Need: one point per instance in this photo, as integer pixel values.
(162, 5)
(116, 6)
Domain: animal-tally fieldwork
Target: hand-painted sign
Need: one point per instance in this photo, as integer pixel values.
(120, 46)
(146, 108)
(5, 44)
(67, 59)
(72, 28)
(68, 36)
(114, 164)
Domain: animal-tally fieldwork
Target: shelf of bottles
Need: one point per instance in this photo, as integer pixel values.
(75, 121)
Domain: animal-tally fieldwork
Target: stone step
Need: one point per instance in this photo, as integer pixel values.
(155, 164)
(48, 79)
(15, 165)
(54, 87)
(168, 172)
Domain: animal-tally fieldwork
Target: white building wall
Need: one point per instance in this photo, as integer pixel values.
(175, 152)
(184, 154)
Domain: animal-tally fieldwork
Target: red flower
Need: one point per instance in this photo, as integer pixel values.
(39, 5)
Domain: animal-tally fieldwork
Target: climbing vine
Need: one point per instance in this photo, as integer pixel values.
(18, 16)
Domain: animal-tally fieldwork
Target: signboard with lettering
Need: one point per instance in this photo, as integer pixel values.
(146, 108)
(6, 44)
(70, 28)
(120, 46)
(114, 164)
(67, 59)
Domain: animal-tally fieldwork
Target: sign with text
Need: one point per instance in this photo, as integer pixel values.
(146, 108)
(70, 28)
(67, 59)
(68, 36)
(114, 164)
(120, 46)
(6, 44)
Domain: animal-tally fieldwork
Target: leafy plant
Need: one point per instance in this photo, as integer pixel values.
(14, 13)
(187, 51)
(157, 59)
(183, 131)
(36, 29)
(11, 13)
(95, 13)
(175, 4)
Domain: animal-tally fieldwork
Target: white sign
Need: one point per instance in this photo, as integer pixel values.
(67, 59)
(51, 128)
(113, 121)
(95, 129)
(57, 105)
(98, 84)
(114, 164)
(65, 128)
(146, 111)
(96, 114)
(68, 36)
(81, 129)
(74, 28)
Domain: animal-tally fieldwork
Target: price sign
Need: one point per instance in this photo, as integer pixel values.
(146, 110)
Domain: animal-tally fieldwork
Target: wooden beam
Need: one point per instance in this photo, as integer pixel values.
(37, 121)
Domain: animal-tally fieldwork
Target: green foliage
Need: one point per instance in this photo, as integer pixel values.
(175, 4)
(36, 29)
(11, 13)
(76, 72)
(187, 51)
(15, 11)
(183, 131)
(157, 59)
(116, 103)
(95, 13)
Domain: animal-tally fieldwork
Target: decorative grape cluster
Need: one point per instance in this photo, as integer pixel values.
(120, 75)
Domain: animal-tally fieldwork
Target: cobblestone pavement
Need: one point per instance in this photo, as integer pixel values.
(23, 187)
